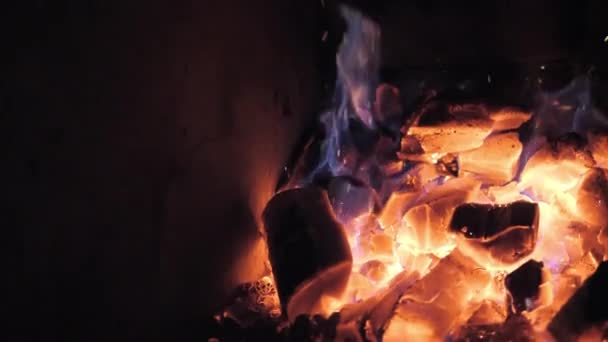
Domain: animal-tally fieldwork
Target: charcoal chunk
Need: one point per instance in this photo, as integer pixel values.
(524, 285)
(587, 308)
(486, 221)
(500, 233)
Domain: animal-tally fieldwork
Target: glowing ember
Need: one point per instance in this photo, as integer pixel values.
(444, 129)
(496, 160)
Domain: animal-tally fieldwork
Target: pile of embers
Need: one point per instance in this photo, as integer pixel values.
(471, 223)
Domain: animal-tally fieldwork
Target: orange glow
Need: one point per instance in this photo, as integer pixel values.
(460, 281)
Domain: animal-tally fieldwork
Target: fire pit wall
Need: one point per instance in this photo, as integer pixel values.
(142, 142)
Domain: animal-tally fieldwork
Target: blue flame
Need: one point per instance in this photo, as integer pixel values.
(357, 62)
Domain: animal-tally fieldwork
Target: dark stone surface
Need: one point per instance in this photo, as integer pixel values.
(140, 142)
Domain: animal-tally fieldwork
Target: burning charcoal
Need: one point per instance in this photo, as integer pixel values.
(424, 228)
(359, 288)
(375, 270)
(592, 197)
(497, 233)
(564, 285)
(382, 312)
(374, 312)
(529, 286)
(369, 240)
(587, 308)
(394, 209)
(423, 231)
(421, 174)
(444, 128)
(477, 333)
(448, 165)
(515, 328)
(488, 313)
(496, 160)
(432, 306)
(504, 194)
(556, 167)
(309, 252)
(598, 144)
(410, 147)
(351, 198)
(508, 118)
(411, 261)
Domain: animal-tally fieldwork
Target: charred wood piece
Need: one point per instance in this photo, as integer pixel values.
(308, 249)
(502, 233)
(525, 286)
(588, 307)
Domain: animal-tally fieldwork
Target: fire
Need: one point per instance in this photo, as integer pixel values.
(467, 227)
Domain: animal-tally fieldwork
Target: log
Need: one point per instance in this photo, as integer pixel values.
(529, 287)
(586, 309)
(496, 235)
(309, 252)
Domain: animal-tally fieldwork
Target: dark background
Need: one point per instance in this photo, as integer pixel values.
(141, 139)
